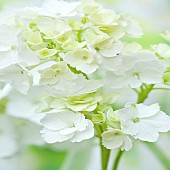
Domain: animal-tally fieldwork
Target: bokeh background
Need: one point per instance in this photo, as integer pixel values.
(154, 16)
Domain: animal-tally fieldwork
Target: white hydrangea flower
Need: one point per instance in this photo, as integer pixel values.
(12, 51)
(82, 59)
(109, 52)
(32, 37)
(66, 125)
(59, 7)
(94, 35)
(68, 42)
(130, 26)
(57, 73)
(46, 53)
(113, 139)
(85, 102)
(136, 70)
(78, 86)
(144, 122)
(110, 48)
(99, 18)
(18, 77)
(23, 17)
(7, 43)
(52, 27)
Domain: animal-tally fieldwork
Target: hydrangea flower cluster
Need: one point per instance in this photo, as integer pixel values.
(77, 53)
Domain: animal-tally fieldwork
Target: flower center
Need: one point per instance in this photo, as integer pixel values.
(13, 47)
(136, 74)
(136, 119)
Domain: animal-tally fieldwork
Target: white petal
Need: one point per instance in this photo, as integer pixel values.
(27, 56)
(60, 120)
(113, 139)
(147, 131)
(54, 136)
(115, 50)
(112, 64)
(17, 77)
(54, 7)
(83, 135)
(110, 140)
(147, 111)
(127, 144)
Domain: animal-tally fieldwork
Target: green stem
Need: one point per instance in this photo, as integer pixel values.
(162, 157)
(143, 94)
(105, 153)
(117, 160)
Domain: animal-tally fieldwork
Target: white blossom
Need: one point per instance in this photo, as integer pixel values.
(18, 77)
(82, 59)
(66, 125)
(113, 139)
(135, 70)
(12, 51)
(144, 122)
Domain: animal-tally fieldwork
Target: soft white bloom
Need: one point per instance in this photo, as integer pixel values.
(8, 37)
(111, 63)
(86, 102)
(46, 53)
(60, 7)
(58, 73)
(52, 27)
(135, 70)
(66, 125)
(32, 37)
(113, 118)
(130, 26)
(144, 122)
(99, 18)
(94, 35)
(18, 77)
(23, 17)
(23, 107)
(109, 52)
(110, 48)
(113, 139)
(13, 51)
(82, 59)
(77, 86)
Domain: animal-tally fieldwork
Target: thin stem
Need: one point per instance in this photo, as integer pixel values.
(117, 160)
(143, 94)
(162, 157)
(105, 153)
